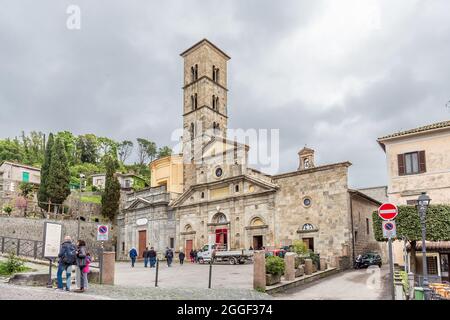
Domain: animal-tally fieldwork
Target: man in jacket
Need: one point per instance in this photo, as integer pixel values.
(169, 256)
(145, 256)
(133, 255)
(152, 257)
(67, 258)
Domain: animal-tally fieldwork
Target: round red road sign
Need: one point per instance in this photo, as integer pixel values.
(387, 211)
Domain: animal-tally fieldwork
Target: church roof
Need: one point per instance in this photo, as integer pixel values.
(418, 130)
(198, 44)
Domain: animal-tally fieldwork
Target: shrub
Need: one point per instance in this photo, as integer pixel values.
(7, 209)
(299, 247)
(315, 258)
(13, 265)
(275, 265)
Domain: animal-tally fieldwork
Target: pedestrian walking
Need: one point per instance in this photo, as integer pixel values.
(133, 255)
(181, 256)
(67, 258)
(191, 255)
(152, 257)
(81, 262)
(169, 256)
(145, 256)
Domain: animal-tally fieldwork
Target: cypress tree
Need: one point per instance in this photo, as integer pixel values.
(42, 193)
(59, 174)
(111, 195)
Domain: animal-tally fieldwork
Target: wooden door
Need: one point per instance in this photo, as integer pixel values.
(188, 248)
(142, 242)
(309, 243)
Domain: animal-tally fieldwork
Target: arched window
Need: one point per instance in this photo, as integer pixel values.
(196, 72)
(214, 73)
(236, 188)
(217, 75)
(195, 101)
(214, 102)
(217, 103)
(307, 226)
(219, 218)
(192, 74)
(192, 102)
(188, 228)
(203, 195)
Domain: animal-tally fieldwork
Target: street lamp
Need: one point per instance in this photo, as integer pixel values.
(82, 176)
(422, 205)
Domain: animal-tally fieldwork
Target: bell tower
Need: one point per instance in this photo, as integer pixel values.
(204, 99)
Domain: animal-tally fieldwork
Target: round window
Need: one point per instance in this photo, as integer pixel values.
(219, 172)
(306, 202)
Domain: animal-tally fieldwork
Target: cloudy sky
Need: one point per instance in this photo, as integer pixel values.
(333, 75)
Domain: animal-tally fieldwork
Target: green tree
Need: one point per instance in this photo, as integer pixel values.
(43, 196)
(125, 148)
(87, 148)
(408, 226)
(70, 144)
(111, 195)
(58, 187)
(11, 150)
(164, 152)
(146, 151)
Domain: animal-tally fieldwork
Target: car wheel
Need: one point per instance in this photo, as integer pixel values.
(379, 265)
(200, 260)
(232, 260)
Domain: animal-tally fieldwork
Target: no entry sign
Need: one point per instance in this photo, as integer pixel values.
(387, 211)
(102, 233)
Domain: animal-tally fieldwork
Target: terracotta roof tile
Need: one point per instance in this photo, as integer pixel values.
(433, 126)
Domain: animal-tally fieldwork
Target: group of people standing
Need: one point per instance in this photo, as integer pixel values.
(150, 256)
(73, 255)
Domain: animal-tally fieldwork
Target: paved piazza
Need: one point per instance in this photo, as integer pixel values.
(189, 275)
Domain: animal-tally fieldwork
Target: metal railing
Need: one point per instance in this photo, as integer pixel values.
(22, 247)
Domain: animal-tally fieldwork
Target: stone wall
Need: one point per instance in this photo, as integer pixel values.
(32, 229)
(328, 212)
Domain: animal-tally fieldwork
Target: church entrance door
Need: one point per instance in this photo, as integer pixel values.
(257, 242)
(222, 239)
(188, 248)
(142, 242)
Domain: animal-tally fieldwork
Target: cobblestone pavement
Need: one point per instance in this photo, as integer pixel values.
(98, 292)
(189, 275)
(364, 284)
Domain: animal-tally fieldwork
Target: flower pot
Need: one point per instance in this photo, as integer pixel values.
(272, 279)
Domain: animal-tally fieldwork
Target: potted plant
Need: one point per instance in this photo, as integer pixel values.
(301, 249)
(274, 269)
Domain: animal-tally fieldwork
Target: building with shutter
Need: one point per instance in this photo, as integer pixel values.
(418, 160)
(213, 195)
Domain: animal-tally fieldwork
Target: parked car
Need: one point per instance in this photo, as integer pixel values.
(367, 259)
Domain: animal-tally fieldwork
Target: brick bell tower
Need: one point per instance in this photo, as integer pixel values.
(204, 101)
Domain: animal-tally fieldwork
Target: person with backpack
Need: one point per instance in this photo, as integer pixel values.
(169, 256)
(152, 257)
(86, 270)
(81, 263)
(133, 255)
(181, 256)
(67, 258)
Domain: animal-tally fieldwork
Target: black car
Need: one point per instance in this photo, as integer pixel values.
(367, 259)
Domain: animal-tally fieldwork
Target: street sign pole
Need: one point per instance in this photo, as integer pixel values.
(391, 269)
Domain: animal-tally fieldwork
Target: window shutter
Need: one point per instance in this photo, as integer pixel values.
(422, 162)
(401, 164)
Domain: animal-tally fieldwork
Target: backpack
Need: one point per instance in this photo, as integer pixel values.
(70, 255)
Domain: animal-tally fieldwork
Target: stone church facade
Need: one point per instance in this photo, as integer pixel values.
(226, 202)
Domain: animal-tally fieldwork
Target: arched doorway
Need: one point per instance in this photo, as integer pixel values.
(258, 242)
(220, 224)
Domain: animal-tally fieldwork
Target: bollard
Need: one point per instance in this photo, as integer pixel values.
(157, 268)
(308, 267)
(259, 270)
(289, 273)
(49, 283)
(210, 273)
(411, 285)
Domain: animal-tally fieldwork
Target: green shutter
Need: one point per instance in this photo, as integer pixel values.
(25, 176)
